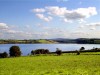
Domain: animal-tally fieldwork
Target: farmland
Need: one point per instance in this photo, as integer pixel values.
(66, 64)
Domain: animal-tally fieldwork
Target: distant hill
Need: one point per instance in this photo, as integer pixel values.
(50, 41)
(64, 40)
(79, 40)
(27, 41)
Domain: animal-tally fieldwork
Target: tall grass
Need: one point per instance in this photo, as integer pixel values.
(51, 65)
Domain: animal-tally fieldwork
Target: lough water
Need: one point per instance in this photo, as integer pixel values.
(27, 48)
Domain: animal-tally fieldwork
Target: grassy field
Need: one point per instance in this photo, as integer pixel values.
(67, 64)
(46, 41)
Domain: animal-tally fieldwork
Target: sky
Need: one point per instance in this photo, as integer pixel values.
(47, 19)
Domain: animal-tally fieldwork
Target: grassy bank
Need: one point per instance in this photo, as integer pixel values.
(67, 64)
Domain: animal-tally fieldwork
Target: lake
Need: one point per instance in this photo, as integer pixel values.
(27, 48)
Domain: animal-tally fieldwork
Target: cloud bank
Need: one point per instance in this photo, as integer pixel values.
(64, 13)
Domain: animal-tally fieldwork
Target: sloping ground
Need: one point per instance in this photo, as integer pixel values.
(51, 65)
(27, 41)
(46, 41)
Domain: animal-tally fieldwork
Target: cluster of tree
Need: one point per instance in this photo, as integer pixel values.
(14, 51)
(79, 40)
(4, 55)
(45, 51)
(40, 51)
(82, 49)
(58, 51)
(88, 41)
(18, 41)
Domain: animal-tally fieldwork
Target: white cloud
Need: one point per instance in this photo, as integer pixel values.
(82, 26)
(55, 10)
(90, 26)
(69, 21)
(14, 31)
(7, 32)
(80, 34)
(81, 21)
(67, 15)
(38, 10)
(39, 25)
(3, 26)
(93, 24)
(11, 31)
(41, 16)
(79, 13)
(86, 12)
(46, 28)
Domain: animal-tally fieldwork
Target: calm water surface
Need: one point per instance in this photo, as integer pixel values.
(27, 48)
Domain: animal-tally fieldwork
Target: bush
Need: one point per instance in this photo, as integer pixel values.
(40, 51)
(3, 55)
(32, 52)
(15, 51)
(78, 52)
(95, 49)
(82, 48)
(58, 52)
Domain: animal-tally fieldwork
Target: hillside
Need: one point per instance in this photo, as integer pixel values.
(79, 40)
(27, 41)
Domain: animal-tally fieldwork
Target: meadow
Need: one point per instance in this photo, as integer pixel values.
(66, 64)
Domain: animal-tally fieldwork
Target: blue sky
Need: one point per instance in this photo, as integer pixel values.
(42, 19)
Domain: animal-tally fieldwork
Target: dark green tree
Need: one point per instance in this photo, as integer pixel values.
(58, 52)
(40, 51)
(32, 52)
(15, 51)
(82, 48)
(3, 55)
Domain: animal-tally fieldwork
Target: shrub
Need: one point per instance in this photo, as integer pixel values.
(82, 48)
(40, 51)
(58, 52)
(15, 51)
(3, 55)
(46, 51)
(32, 52)
(96, 49)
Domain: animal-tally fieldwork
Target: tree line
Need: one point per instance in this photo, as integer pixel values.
(32, 41)
(15, 51)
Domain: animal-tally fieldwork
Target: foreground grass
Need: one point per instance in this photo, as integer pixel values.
(51, 65)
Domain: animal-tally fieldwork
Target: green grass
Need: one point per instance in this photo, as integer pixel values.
(91, 53)
(46, 41)
(66, 64)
